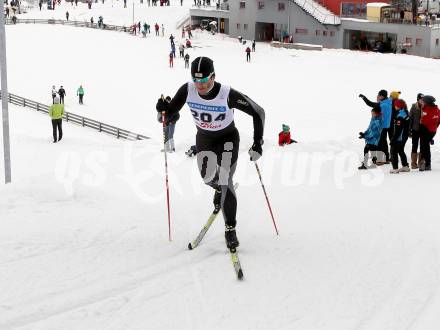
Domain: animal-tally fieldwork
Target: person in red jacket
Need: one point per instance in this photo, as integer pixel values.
(284, 137)
(248, 54)
(171, 59)
(428, 127)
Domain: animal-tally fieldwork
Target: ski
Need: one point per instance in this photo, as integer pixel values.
(195, 243)
(236, 264)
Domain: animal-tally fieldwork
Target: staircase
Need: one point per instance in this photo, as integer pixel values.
(319, 12)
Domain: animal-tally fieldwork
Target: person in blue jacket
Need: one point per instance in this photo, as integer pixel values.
(372, 136)
(386, 106)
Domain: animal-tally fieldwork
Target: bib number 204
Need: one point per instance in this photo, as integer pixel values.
(206, 117)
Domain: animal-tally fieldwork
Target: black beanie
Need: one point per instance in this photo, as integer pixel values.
(428, 99)
(419, 96)
(383, 93)
(202, 67)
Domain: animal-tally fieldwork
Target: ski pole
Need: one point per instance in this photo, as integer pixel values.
(267, 199)
(166, 172)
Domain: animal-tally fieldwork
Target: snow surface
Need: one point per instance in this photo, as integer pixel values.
(83, 228)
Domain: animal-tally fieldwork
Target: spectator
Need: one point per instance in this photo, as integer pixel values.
(414, 126)
(188, 29)
(188, 43)
(372, 136)
(173, 50)
(170, 126)
(156, 28)
(61, 93)
(171, 59)
(429, 123)
(80, 93)
(253, 45)
(171, 39)
(248, 54)
(163, 31)
(56, 112)
(186, 61)
(400, 136)
(284, 136)
(67, 15)
(181, 50)
(385, 104)
(54, 93)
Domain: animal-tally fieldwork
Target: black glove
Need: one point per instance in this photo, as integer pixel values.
(162, 105)
(293, 141)
(432, 142)
(361, 95)
(256, 151)
(361, 135)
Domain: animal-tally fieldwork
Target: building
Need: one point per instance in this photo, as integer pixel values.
(306, 21)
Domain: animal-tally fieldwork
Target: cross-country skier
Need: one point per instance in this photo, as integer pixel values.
(217, 138)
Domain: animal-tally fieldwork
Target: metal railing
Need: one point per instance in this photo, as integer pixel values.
(323, 15)
(71, 23)
(79, 120)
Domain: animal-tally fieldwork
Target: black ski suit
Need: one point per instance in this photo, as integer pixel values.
(223, 143)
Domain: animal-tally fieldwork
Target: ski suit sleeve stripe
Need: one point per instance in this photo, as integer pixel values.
(178, 100)
(242, 102)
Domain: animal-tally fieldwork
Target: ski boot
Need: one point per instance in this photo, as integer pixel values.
(217, 200)
(231, 238)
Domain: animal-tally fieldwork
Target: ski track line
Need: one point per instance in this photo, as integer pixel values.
(63, 247)
(37, 312)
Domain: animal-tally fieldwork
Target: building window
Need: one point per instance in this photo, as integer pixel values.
(353, 9)
(238, 26)
(332, 33)
(318, 33)
(324, 33)
(436, 42)
(419, 42)
(301, 31)
(260, 5)
(245, 26)
(408, 40)
(281, 6)
(242, 4)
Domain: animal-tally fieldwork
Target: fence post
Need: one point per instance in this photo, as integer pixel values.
(83, 121)
(67, 116)
(100, 126)
(117, 133)
(24, 102)
(38, 106)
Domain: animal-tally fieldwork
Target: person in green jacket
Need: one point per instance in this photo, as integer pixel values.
(80, 93)
(56, 112)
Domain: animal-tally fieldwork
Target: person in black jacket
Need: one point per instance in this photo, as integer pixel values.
(400, 136)
(217, 140)
(170, 126)
(62, 93)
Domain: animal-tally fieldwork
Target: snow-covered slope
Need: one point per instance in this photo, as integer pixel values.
(83, 227)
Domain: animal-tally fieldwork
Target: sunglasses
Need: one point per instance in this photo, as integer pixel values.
(202, 80)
